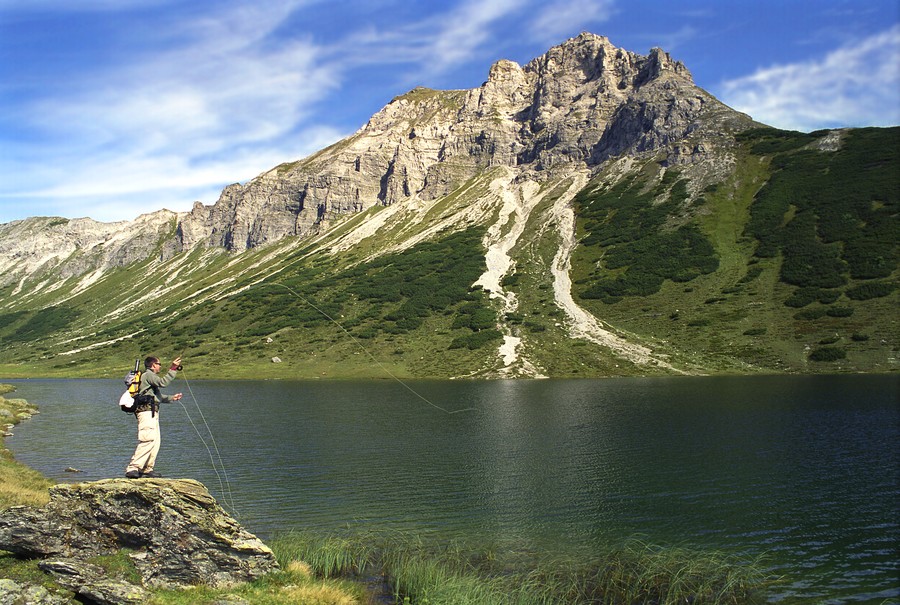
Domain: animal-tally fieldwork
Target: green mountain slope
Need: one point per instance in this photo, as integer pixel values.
(790, 264)
(785, 262)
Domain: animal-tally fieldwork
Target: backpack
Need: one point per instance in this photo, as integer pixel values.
(132, 394)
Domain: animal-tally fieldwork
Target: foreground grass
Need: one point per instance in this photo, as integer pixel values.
(450, 574)
(18, 483)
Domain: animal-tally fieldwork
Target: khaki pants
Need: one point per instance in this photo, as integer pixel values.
(148, 443)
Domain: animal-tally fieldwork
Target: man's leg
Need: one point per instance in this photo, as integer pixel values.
(148, 443)
(157, 440)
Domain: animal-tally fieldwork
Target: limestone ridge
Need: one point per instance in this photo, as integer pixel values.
(569, 110)
(576, 106)
(176, 533)
(70, 248)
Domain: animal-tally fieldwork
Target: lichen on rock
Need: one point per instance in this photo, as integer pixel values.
(174, 531)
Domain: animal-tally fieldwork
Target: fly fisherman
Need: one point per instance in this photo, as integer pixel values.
(146, 409)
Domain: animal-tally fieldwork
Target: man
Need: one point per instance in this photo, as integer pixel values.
(146, 408)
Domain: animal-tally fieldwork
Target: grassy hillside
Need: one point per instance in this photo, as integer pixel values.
(790, 264)
(787, 261)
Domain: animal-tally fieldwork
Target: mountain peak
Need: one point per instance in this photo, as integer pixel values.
(579, 104)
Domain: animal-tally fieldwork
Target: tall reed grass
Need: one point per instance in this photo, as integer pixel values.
(421, 573)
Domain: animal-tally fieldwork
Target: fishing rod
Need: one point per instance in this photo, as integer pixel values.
(225, 488)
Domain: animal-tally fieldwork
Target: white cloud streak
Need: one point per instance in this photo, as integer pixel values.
(222, 103)
(826, 93)
(466, 29)
(562, 18)
(433, 45)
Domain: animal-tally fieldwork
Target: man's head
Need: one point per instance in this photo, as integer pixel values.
(152, 363)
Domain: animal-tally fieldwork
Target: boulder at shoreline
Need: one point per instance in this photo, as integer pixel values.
(173, 531)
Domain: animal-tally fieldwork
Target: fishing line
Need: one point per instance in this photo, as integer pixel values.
(365, 350)
(225, 487)
(228, 497)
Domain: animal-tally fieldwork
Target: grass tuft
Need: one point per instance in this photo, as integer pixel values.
(420, 572)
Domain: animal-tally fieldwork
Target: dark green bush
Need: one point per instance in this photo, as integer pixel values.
(815, 313)
(870, 290)
(630, 227)
(840, 311)
(844, 204)
(765, 141)
(43, 323)
(475, 340)
(535, 327)
(828, 354)
(806, 295)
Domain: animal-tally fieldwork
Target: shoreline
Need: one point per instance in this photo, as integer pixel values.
(369, 567)
(19, 483)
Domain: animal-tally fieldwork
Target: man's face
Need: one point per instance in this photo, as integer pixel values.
(155, 366)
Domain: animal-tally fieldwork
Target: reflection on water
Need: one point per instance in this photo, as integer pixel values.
(802, 469)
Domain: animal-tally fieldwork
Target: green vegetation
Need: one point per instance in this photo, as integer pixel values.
(804, 240)
(832, 216)
(870, 290)
(797, 237)
(828, 354)
(19, 485)
(455, 574)
(335, 315)
(639, 252)
(37, 325)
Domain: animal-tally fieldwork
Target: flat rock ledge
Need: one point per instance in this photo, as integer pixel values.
(172, 529)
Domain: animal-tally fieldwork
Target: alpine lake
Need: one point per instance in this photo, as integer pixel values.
(799, 472)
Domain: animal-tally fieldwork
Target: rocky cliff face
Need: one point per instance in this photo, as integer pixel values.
(568, 111)
(59, 248)
(578, 105)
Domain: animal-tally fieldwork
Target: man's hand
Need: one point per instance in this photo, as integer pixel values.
(176, 396)
(176, 363)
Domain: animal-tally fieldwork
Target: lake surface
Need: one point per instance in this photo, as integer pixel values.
(801, 469)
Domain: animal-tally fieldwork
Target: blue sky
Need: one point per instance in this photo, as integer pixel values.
(113, 108)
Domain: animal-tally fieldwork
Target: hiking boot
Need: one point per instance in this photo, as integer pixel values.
(151, 474)
(132, 475)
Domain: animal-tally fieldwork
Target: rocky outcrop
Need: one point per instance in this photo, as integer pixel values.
(61, 248)
(93, 583)
(16, 593)
(573, 108)
(576, 106)
(173, 531)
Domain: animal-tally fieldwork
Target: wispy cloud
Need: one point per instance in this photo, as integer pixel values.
(222, 102)
(562, 18)
(435, 43)
(826, 93)
(466, 29)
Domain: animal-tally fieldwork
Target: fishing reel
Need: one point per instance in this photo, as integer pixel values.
(179, 367)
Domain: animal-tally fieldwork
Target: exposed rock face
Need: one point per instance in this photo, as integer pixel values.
(576, 106)
(66, 248)
(580, 104)
(175, 532)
